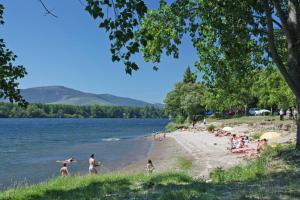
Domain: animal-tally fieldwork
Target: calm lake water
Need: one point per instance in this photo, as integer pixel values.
(30, 147)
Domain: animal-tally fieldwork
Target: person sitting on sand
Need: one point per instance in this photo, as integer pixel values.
(93, 164)
(241, 144)
(234, 140)
(150, 167)
(262, 145)
(64, 170)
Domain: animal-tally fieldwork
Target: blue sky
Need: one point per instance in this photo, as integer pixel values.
(72, 51)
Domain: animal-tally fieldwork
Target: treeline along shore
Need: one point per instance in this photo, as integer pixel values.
(9, 110)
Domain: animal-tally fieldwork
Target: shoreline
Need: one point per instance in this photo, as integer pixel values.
(164, 155)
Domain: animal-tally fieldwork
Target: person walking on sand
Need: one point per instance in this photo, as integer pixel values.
(150, 167)
(93, 164)
(288, 113)
(295, 114)
(64, 170)
(281, 113)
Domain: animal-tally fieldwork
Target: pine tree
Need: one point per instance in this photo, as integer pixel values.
(189, 76)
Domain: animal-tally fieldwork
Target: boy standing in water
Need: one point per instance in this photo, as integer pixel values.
(93, 165)
(64, 170)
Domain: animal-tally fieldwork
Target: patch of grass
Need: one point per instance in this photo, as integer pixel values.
(172, 126)
(253, 170)
(256, 135)
(184, 163)
(114, 187)
(211, 128)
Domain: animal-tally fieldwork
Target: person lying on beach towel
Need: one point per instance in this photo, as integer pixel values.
(243, 150)
(221, 133)
(70, 160)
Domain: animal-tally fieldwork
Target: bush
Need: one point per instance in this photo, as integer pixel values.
(256, 135)
(180, 119)
(211, 128)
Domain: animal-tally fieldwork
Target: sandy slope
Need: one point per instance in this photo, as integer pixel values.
(208, 151)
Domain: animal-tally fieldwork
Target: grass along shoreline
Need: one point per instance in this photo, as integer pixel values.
(275, 175)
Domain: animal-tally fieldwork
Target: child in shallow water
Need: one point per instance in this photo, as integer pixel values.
(150, 167)
(64, 170)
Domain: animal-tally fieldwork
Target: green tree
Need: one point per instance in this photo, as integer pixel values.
(189, 77)
(232, 37)
(9, 74)
(271, 90)
(186, 101)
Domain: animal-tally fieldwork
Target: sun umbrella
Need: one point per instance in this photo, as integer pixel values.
(227, 128)
(270, 135)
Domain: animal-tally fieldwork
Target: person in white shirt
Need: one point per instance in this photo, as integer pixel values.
(281, 113)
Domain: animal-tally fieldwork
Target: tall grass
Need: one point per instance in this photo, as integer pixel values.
(253, 170)
(112, 186)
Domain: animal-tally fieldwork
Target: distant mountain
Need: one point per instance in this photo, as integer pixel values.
(64, 95)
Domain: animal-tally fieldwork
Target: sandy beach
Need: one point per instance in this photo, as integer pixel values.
(164, 154)
(206, 151)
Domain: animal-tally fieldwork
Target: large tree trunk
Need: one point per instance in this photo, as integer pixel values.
(291, 25)
(298, 124)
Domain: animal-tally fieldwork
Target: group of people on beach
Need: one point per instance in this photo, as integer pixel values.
(291, 114)
(241, 144)
(159, 137)
(93, 164)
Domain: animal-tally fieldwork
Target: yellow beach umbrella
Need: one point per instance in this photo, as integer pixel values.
(270, 135)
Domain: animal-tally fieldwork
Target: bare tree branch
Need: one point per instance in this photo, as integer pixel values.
(48, 12)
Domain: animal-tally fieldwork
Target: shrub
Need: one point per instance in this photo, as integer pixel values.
(180, 119)
(256, 135)
(211, 128)
(171, 127)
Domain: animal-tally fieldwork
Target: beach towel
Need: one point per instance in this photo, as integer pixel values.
(242, 150)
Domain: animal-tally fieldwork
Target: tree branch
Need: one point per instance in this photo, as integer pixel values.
(274, 20)
(281, 14)
(48, 12)
(273, 49)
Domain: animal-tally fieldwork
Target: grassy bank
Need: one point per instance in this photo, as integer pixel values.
(276, 175)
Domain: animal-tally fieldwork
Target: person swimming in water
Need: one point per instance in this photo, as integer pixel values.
(93, 164)
(70, 160)
(64, 170)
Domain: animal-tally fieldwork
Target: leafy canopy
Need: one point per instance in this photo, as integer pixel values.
(9, 74)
